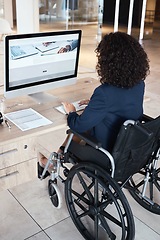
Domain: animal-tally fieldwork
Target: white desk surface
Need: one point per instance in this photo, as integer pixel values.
(83, 89)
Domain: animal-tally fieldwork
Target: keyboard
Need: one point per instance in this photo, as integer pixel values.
(22, 51)
(76, 104)
(17, 51)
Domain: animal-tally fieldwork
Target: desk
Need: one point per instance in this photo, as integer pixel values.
(18, 149)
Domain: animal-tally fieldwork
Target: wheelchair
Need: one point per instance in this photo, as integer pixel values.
(94, 184)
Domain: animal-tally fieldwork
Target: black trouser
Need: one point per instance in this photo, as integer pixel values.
(89, 154)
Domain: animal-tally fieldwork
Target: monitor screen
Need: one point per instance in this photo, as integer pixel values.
(39, 62)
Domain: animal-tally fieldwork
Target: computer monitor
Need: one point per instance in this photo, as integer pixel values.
(37, 62)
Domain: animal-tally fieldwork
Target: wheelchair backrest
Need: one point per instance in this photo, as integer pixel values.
(134, 147)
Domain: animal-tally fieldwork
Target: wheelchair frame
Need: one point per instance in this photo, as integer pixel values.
(99, 191)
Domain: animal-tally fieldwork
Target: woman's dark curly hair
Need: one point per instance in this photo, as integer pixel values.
(122, 61)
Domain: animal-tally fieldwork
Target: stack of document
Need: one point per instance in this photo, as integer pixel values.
(27, 119)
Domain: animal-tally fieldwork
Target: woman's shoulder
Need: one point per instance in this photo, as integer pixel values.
(102, 86)
(107, 87)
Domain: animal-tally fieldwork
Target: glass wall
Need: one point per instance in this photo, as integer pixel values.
(75, 14)
(136, 17)
(67, 13)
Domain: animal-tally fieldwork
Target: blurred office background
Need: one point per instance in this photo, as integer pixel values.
(140, 18)
(68, 14)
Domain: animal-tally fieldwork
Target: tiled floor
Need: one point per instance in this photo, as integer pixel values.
(26, 211)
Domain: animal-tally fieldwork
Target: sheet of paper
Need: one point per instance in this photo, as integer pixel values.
(27, 119)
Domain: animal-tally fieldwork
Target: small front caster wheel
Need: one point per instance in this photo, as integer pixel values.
(54, 194)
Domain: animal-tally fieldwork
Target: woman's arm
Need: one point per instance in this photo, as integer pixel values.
(92, 115)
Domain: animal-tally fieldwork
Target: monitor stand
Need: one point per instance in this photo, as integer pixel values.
(43, 97)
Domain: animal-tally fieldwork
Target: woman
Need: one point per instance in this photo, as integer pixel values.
(122, 68)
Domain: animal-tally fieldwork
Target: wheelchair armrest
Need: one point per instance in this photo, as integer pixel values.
(146, 118)
(87, 138)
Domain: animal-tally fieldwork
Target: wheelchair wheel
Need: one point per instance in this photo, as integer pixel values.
(54, 194)
(151, 198)
(97, 205)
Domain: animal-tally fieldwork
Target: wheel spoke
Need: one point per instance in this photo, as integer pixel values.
(111, 218)
(151, 190)
(157, 179)
(80, 197)
(96, 227)
(82, 207)
(157, 185)
(87, 190)
(86, 213)
(96, 191)
(106, 227)
(96, 200)
(141, 183)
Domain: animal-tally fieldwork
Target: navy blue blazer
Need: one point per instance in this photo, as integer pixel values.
(108, 108)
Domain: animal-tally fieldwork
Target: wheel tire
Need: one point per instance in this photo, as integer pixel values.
(92, 196)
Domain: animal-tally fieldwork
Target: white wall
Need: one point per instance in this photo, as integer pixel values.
(27, 16)
(8, 14)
